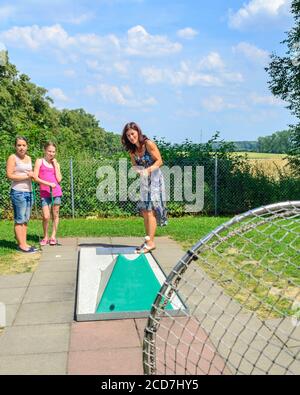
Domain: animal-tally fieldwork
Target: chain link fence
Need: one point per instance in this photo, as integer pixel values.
(227, 188)
(240, 289)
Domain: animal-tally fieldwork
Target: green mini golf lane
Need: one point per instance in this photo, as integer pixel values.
(132, 287)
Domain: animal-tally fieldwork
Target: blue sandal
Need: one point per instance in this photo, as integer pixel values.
(30, 250)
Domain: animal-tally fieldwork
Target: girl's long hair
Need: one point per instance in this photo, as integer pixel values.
(124, 139)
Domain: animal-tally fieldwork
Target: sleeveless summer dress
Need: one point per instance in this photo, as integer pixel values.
(152, 190)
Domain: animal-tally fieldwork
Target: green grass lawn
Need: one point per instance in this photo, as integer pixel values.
(259, 267)
(185, 230)
(259, 271)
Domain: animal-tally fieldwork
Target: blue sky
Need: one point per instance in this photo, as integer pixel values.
(180, 68)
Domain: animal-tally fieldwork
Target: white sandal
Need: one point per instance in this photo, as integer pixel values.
(145, 250)
(147, 238)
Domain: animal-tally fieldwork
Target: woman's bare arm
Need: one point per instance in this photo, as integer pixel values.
(155, 155)
(133, 162)
(57, 170)
(10, 170)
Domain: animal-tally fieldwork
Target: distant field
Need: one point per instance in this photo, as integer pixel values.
(261, 155)
(269, 164)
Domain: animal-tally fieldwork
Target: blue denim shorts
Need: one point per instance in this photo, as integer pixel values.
(48, 201)
(22, 204)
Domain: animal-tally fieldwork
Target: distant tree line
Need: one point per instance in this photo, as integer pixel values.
(277, 143)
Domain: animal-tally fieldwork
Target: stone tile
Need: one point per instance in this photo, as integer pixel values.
(55, 253)
(127, 241)
(45, 313)
(183, 347)
(15, 281)
(35, 364)
(11, 312)
(54, 278)
(195, 359)
(287, 329)
(167, 257)
(12, 295)
(50, 293)
(48, 249)
(295, 351)
(259, 357)
(93, 240)
(103, 334)
(141, 325)
(68, 241)
(160, 242)
(35, 339)
(54, 266)
(126, 361)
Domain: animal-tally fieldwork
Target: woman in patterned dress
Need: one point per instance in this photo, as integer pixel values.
(146, 159)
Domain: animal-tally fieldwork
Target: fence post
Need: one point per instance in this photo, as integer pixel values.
(72, 187)
(216, 185)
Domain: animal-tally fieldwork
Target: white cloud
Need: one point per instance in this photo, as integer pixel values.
(6, 12)
(192, 75)
(35, 37)
(216, 104)
(113, 94)
(256, 9)
(97, 45)
(79, 19)
(95, 65)
(232, 77)
(120, 95)
(70, 73)
(137, 42)
(266, 100)
(141, 43)
(252, 52)
(188, 33)
(121, 67)
(56, 37)
(58, 95)
(183, 76)
(212, 61)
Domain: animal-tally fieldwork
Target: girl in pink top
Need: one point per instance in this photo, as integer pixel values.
(47, 174)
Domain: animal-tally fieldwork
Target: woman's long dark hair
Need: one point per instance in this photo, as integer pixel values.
(124, 139)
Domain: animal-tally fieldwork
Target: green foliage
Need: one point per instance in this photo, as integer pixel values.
(277, 143)
(294, 153)
(25, 109)
(284, 81)
(246, 146)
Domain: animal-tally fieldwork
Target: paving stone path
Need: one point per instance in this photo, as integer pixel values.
(41, 336)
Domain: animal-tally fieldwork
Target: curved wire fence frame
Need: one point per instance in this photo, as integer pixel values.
(171, 287)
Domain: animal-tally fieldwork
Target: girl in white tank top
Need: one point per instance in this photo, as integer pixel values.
(19, 171)
(22, 169)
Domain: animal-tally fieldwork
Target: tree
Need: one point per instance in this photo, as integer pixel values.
(277, 143)
(285, 81)
(26, 109)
